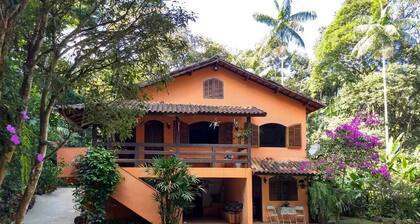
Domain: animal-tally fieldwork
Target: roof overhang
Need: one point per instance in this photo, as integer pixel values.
(270, 166)
(77, 114)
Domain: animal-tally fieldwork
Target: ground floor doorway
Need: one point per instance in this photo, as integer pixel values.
(210, 206)
(256, 198)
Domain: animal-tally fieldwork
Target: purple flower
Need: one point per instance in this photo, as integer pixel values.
(383, 170)
(15, 139)
(304, 165)
(331, 134)
(40, 157)
(341, 165)
(372, 120)
(356, 121)
(11, 129)
(24, 115)
(374, 157)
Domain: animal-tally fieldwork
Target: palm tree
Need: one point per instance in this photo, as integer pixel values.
(285, 28)
(379, 35)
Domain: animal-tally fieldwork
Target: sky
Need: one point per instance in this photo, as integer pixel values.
(230, 22)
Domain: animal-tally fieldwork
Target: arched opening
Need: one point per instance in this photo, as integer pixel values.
(153, 133)
(272, 135)
(203, 133)
(283, 188)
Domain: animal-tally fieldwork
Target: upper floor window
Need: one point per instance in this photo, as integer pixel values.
(213, 89)
(272, 135)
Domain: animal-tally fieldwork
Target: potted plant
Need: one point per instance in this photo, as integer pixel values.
(233, 212)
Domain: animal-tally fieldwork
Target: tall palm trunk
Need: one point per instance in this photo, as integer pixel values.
(385, 102)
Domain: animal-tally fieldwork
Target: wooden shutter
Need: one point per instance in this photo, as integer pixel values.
(294, 134)
(226, 133)
(255, 135)
(184, 132)
(213, 89)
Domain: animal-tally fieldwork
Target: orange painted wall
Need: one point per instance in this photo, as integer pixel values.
(68, 155)
(137, 196)
(302, 198)
(237, 91)
(239, 180)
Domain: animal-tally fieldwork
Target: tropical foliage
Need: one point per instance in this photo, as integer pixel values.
(286, 26)
(61, 52)
(358, 177)
(98, 177)
(176, 188)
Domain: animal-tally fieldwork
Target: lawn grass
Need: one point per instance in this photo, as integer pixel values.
(346, 220)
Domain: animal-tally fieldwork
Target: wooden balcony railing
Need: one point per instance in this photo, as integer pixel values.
(130, 154)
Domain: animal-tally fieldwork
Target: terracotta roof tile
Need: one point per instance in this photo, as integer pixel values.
(75, 112)
(271, 166)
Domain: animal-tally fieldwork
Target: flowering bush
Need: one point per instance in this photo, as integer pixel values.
(349, 147)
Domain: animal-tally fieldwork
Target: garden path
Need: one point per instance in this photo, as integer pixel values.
(53, 208)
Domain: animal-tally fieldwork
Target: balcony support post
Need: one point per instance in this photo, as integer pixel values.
(178, 135)
(249, 143)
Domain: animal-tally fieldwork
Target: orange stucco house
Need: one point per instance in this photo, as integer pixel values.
(243, 136)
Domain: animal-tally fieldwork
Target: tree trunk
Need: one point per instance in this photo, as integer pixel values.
(37, 169)
(33, 51)
(385, 103)
(5, 160)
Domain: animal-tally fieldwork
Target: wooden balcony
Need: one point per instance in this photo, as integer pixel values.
(206, 155)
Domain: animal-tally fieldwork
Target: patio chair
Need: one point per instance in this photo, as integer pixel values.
(272, 215)
(287, 214)
(300, 215)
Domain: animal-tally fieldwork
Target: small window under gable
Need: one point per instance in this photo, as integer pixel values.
(213, 89)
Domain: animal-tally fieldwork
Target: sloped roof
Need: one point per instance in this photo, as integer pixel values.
(310, 104)
(272, 166)
(75, 112)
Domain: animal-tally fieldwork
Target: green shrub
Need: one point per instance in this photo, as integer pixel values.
(97, 179)
(49, 180)
(176, 188)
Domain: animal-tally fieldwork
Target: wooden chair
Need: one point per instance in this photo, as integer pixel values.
(300, 215)
(272, 215)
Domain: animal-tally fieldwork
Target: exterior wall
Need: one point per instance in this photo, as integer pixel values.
(188, 89)
(240, 182)
(302, 198)
(68, 156)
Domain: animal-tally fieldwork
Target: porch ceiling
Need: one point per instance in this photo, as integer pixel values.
(76, 112)
(272, 166)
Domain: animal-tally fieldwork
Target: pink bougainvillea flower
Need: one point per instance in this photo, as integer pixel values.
(15, 139)
(40, 157)
(24, 115)
(11, 129)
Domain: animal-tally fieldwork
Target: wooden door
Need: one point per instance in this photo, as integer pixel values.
(153, 133)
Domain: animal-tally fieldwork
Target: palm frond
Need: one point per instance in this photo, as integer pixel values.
(363, 46)
(296, 26)
(303, 16)
(268, 20)
(286, 7)
(363, 28)
(277, 5)
(295, 37)
(390, 30)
